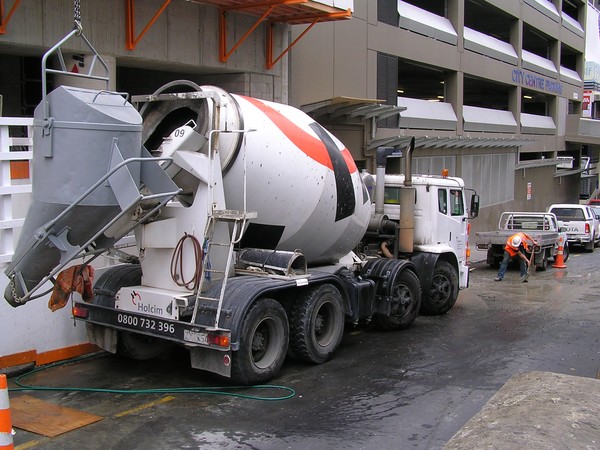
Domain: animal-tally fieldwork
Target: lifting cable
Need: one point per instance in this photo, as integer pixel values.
(177, 263)
(230, 391)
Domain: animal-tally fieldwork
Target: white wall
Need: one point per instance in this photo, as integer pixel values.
(31, 326)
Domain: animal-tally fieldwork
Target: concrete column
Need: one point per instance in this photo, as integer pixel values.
(514, 96)
(454, 93)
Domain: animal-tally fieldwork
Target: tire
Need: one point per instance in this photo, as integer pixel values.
(263, 343)
(130, 345)
(544, 264)
(316, 324)
(565, 252)
(113, 279)
(589, 246)
(406, 301)
(443, 292)
(141, 347)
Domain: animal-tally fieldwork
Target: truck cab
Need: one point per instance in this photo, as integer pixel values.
(432, 233)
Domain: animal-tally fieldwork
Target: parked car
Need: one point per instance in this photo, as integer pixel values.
(579, 222)
(596, 208)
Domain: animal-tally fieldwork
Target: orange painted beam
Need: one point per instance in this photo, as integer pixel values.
(131, 39)
(17, 359)
(4, 20)
(223, 53)
(65, 353)
(270, 61)
(48, 357)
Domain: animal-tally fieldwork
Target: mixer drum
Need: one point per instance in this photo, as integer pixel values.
(302, 182)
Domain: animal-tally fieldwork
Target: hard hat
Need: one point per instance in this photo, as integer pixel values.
(516, 241)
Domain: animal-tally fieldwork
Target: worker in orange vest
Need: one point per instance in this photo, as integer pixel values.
(516, 246)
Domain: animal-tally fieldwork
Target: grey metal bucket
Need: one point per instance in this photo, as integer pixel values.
(74, 134)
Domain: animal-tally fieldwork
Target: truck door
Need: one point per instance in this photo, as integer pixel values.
(452, 220)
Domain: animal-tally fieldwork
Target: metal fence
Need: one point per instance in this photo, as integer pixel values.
(16, 144)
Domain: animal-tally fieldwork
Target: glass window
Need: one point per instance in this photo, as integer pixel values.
(392, 196)
(458, 207)
(442, 201)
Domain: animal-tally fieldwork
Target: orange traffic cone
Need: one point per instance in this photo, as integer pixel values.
(559, 262)
(6, 439)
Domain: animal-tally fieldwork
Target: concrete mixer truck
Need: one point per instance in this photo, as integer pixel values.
(256, 236)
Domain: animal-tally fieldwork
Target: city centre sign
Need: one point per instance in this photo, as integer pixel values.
(535, 81)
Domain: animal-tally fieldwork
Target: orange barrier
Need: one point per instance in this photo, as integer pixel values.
(559, 262)
(6, 439)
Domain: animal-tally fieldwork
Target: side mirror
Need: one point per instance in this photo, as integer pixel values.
(474, 209)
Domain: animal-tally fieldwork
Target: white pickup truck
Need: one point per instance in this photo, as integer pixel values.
(541, 226)
(580, 224)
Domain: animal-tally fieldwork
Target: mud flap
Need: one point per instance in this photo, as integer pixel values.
(214, 361)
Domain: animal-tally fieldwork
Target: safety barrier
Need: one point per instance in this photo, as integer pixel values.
(559, 262)
(16, 142)
(6, 439)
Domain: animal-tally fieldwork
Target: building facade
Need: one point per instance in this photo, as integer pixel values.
(239, 46)
(492, 90)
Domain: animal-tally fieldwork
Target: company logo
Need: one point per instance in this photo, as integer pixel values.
(135, 296)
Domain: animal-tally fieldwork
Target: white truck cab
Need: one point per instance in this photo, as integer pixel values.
(440, 217)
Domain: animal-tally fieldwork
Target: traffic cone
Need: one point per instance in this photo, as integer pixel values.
(6, 437)
(559, 262)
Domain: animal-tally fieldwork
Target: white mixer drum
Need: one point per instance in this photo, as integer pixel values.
(302, 182)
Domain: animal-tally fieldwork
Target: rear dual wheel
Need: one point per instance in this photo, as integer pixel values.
(263, 343)
(130, 345)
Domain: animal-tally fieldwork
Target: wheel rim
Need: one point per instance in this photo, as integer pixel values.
(324, 330)
(402, 301)
(440, 289)
(264, 349)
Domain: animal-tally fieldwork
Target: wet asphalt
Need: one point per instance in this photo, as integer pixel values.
(395, 390)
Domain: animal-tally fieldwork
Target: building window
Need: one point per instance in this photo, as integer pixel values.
(536, 42)
(573, 9)
(437, 7)
(535, 103)
(420, 81)
(488, 20)
(485, 94)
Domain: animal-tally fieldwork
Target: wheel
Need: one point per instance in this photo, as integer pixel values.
(316, 324)
(565, 252)
(544, 264)
(406, 301)
(589, 246)
(113, 279)
(443, 292)
(263, 343)
(140, 347)
(130, 345)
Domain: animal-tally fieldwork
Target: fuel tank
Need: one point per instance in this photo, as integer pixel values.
(301, 180)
